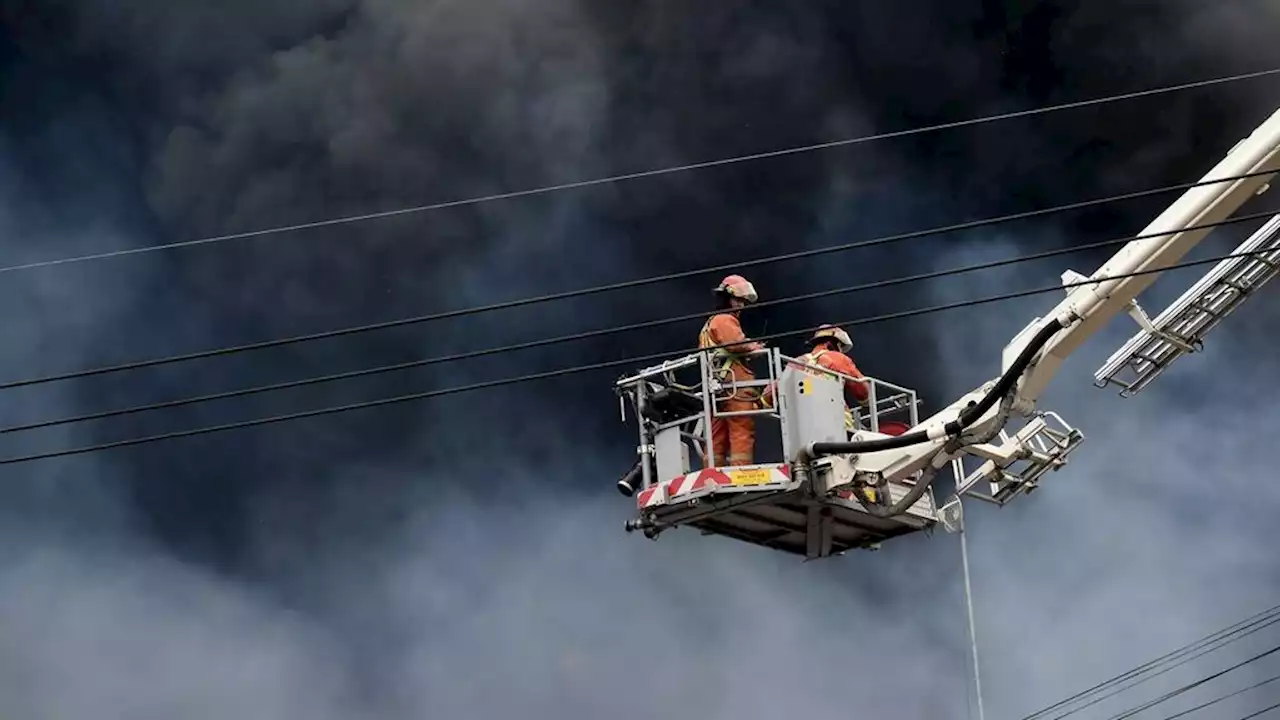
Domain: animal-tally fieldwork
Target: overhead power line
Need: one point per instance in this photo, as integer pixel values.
(1192, 685)
(1261, 712)
(1247, 626)
(1220, 698)
(1173, 666)
(365, 372)
(591, 367)
(218, 352)
(649, 173)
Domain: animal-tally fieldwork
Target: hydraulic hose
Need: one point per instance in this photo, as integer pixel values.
(966, 416)
(1006, 382)
(926, 478)
(907, 501)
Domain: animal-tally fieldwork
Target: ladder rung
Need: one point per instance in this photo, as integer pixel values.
(1260, 276)
(1261, 260)
(1208, 311)
(1223, 289)
(1113, 380)
(1190, 329)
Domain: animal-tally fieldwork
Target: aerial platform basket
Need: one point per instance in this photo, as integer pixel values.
(775, 503)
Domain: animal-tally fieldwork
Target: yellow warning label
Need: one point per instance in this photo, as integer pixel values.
(804, 387)
(754, 476)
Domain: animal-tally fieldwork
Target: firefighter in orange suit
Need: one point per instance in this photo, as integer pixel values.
(830, 345)
(732, 438)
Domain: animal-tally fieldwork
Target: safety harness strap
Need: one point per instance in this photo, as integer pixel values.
(723, 358)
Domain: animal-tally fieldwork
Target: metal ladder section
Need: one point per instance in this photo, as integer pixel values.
(1015, 463)
(1181, 328)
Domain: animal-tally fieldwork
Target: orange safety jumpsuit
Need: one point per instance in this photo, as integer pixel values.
(733, 439)
(836, 361)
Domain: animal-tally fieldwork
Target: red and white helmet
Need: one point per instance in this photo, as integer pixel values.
(833, 333)
(738, 287)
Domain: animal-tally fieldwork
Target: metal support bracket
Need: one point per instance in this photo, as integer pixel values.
(1144, 321)
(951, 514)
(1069, 278)
(1016, 463)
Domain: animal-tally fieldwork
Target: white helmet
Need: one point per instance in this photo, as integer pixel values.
(833, 333)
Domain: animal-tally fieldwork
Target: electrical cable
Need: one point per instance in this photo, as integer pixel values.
(1199, 653)
(647, 173)
(1261, 712)
(969, 225)
(1225, 633)
(365, 372)
(1192, 685)
(1056, 288)
(1220, 698)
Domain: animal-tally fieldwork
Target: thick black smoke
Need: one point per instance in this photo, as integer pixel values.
(464, 557)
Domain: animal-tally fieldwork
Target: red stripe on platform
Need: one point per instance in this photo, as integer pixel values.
(645, 495)
(716, 476)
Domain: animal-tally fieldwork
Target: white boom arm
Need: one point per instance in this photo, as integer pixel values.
(1085, 310)
(1091, 306)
